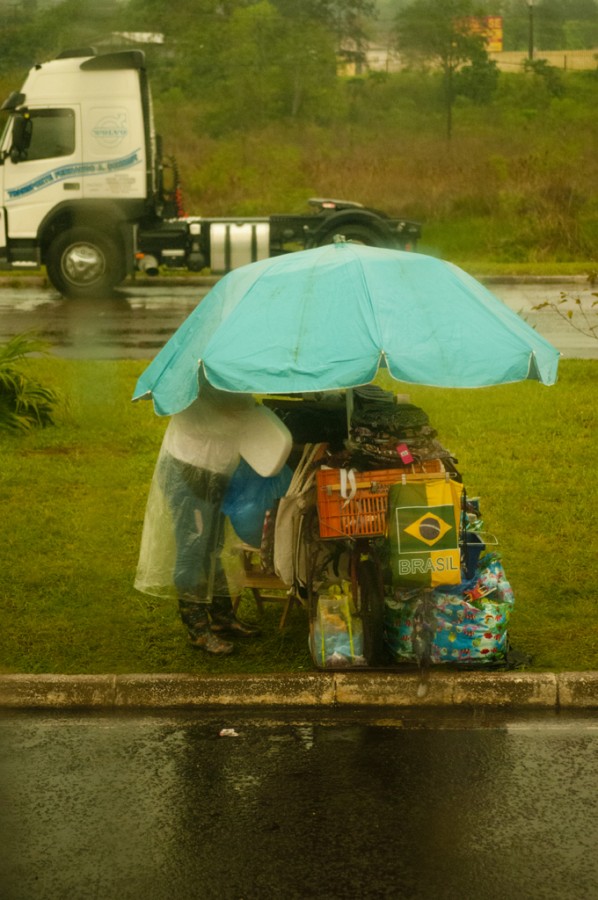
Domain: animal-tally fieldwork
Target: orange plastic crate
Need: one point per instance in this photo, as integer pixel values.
(365, 514)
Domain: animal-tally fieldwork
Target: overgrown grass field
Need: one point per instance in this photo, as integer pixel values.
(515, 185)
(72, 499)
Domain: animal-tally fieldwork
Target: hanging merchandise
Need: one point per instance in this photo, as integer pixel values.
(293, 507)
(423, 529)
(387, 433)
(336, 632)
(472, 548)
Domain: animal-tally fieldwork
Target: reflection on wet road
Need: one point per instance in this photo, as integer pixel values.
(138, 320)
(129, 325)
(298, 805)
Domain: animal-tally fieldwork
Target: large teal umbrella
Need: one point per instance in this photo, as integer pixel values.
(329, 318)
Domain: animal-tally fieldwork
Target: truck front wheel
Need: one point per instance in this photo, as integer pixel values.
(84, 263)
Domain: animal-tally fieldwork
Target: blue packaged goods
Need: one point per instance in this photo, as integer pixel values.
(463, 624)
(248, 498)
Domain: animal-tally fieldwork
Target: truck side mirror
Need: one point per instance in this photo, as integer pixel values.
(22, 128)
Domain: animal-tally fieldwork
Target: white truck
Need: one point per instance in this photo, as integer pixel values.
(82, 187)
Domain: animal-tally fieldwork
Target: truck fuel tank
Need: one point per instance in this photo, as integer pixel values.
(235, 244)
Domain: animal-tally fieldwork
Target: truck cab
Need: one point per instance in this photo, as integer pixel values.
(77, 171)
(82, 187)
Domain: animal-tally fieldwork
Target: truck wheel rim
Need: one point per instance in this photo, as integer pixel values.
(83, 264)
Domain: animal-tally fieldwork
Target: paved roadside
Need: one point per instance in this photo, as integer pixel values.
(39, 280)
(501, 690)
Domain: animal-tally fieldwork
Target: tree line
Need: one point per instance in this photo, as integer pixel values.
(204, 29)
(241, 64)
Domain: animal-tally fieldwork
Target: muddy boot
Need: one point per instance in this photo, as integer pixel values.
(211, 643)
(224, 620)
(195, 616)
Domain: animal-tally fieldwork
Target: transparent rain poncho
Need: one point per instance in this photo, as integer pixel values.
(184, 528)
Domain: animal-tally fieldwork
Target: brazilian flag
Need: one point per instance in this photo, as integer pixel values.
(423, 530)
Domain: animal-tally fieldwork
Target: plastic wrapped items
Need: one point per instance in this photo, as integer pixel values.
(407, 631)
(467, 633)
(456, 625)
(249, 496)
(336, 632)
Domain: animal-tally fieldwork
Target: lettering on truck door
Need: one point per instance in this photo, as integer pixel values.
(112, 148)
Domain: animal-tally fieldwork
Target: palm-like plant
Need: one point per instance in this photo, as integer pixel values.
(24, 402)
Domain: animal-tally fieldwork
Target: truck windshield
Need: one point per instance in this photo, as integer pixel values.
(52, 134)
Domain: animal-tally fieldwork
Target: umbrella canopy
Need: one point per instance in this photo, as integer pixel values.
(328, 318)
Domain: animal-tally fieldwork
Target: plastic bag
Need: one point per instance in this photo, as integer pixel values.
(464, 624)
(423, 528)
(336, 633)
(248, 498)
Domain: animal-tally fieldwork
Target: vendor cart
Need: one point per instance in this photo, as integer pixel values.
(390, 562)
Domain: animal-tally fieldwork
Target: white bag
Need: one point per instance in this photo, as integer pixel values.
(265, 442)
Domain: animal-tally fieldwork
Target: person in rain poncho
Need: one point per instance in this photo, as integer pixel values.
(183, 529)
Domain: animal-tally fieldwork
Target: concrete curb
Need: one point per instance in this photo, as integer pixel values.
(502, 690)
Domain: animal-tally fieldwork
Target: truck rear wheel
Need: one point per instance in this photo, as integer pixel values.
(84, 263)
(353, 231)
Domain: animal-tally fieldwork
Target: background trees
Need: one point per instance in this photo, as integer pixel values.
(440, 31)
(288, 49)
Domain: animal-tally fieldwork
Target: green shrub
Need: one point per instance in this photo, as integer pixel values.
(25, 403)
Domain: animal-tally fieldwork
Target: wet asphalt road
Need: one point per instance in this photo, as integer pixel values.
(434, 806)
(138, 320)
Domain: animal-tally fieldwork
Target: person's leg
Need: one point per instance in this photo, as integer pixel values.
(193, 529)
(223, 619)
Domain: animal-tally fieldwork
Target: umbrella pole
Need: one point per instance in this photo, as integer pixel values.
(349, 405)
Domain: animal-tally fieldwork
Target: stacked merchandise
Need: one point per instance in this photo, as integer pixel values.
(446, 600)
(387, 434)
(388, 489)
(463, 623)
(388, 441)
